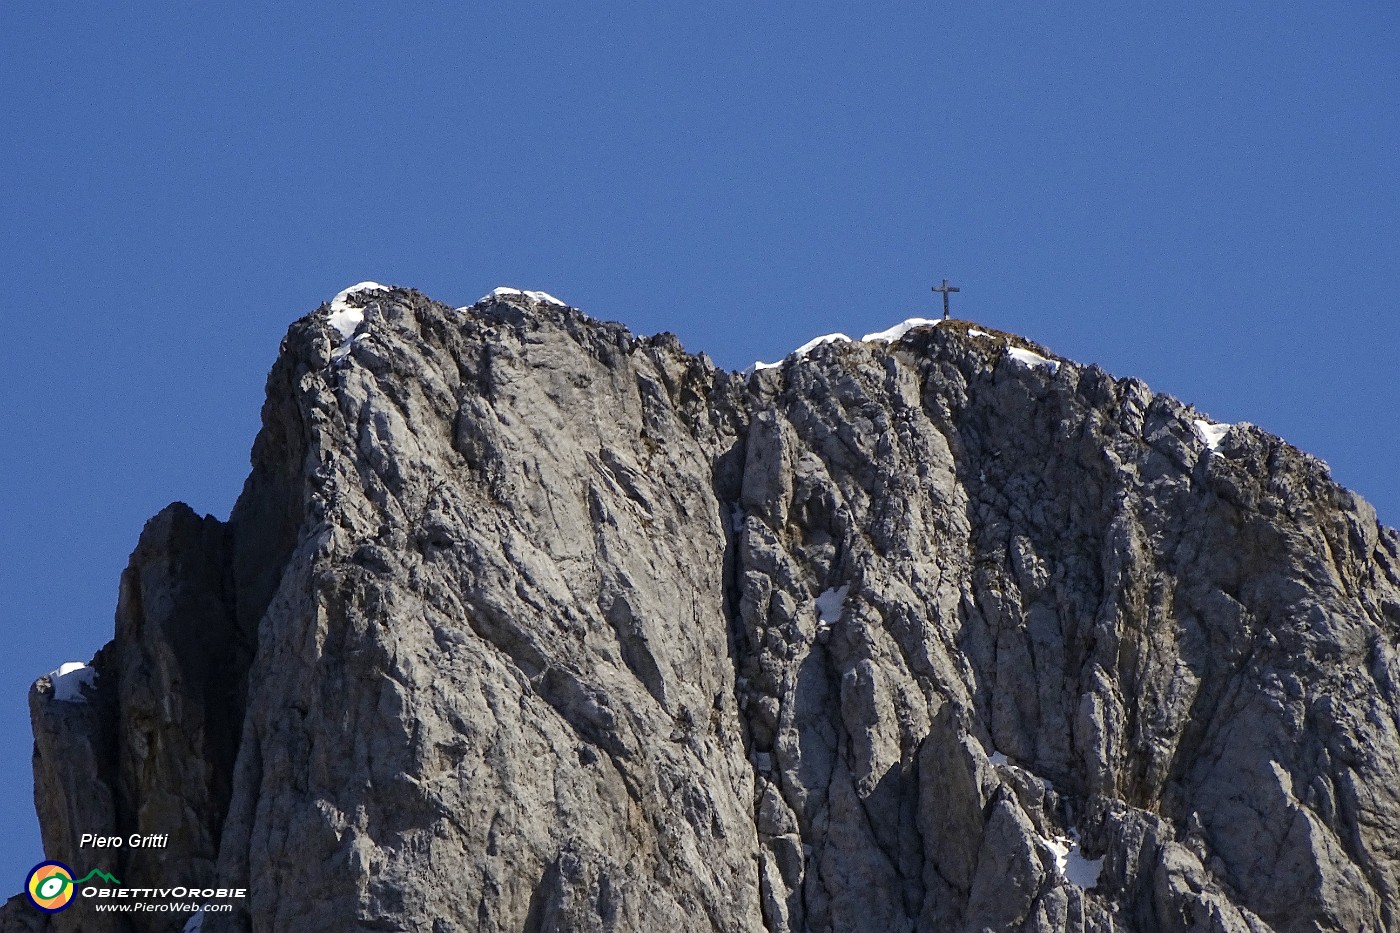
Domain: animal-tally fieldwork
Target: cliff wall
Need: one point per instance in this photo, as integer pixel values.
(523, 622)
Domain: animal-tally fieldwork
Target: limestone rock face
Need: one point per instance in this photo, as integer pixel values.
(524, 623)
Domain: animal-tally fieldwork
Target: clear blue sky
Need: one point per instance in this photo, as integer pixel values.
(1202, 195)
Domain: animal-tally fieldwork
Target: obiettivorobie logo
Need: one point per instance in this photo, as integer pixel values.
(50, 885)
(51, 888)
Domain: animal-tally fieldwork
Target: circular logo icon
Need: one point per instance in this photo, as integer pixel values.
(50, 886)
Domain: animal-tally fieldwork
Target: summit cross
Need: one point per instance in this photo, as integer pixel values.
(945, 288)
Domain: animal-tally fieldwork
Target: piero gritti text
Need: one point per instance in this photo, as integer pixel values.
(134, 841)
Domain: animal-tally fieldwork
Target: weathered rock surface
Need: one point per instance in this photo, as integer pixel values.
(525, 623)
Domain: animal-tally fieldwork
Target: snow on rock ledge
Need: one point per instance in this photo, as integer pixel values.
(831, 604)
(1031, 360)
(1025, 357)
(1211, 433)
(815, 342)
(508, 293)
(803, 350)
(70, 679)
(899, 330)
(345, 318)
(1073, 866)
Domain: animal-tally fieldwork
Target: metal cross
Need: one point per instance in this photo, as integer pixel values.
(945, 288)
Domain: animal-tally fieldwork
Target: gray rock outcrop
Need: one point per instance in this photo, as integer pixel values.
(524, 623)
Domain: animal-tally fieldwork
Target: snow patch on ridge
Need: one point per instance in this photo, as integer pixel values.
(1211, 433)
(1027, 358)
(70, 679)
(802, 351)
(1031, 360)
(815, 342)
(899, 330)
(345, 318)
(502, 291)
(889, 335)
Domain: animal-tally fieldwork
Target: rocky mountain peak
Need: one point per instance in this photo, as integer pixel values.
(523, 622)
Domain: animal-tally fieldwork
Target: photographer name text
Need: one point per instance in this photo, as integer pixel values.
(134, 841)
